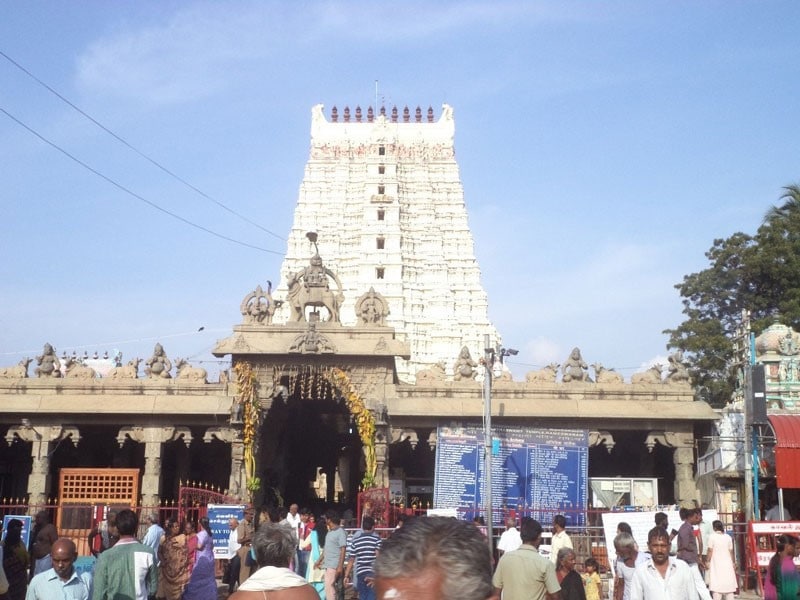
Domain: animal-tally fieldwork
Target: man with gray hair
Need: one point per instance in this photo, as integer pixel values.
(273, 547)
(628, 558)
(152, 537)
(434, 558)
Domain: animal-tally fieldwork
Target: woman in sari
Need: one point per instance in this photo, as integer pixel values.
(316, 577)
(191, 545)
(173, 571)
(202, 581)
(15, 562)
(782, 581)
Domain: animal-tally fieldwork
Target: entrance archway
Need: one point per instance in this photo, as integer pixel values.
(313, 438)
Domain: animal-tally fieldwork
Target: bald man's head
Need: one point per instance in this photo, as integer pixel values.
(63, 553)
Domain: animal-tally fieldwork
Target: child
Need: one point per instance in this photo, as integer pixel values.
(591, 579)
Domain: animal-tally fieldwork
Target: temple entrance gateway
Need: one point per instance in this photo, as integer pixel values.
(309, 447)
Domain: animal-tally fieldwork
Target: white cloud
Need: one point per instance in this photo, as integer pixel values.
(202, 49)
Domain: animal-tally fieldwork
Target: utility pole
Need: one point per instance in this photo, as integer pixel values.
(746, 357)
(488, 364)
(492, 367)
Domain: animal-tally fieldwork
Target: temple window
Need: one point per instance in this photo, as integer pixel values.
(381, 189)
(380, 243)
(381, 169)
(381, 150)
(381, 214)
(379, 272)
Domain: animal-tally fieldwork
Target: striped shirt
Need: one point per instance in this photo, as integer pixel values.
(364, 548)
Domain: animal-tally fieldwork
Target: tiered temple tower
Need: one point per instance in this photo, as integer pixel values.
(383, 194)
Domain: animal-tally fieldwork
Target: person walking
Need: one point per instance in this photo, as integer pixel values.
(61, 581)
(127, 569)
(688, 550)
(362, 550)
(202, 582)
(524, 574)
(333, 555)
(782, 581)
(15, 561)
(662, 577)
(721, 564)
(568, 578)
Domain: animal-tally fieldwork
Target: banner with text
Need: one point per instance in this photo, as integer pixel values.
(536, 470)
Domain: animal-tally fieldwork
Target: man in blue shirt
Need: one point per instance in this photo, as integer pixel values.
(333, 555)
(152, 536)
(61, 581)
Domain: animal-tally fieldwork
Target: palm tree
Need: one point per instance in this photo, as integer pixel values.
(790, 208)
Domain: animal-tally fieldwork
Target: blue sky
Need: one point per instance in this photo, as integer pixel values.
(602, 146)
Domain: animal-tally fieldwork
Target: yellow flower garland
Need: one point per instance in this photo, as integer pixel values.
(365, 422)
(251, 416)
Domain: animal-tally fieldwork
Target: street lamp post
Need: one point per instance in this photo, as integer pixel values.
(493, 359)
(488, 363)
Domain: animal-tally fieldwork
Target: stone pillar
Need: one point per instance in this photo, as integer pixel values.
(152, 438)
(40, 437)
(686, 493)
(381, 456)
(232, 436)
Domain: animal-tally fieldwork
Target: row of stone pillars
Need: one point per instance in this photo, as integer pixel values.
(42, 436)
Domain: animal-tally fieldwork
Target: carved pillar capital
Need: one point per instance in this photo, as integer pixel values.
(401, 435)
(433, 439)
(42, 433)
(669, 439)
(158, 435)
(229, 435)
(603, 438)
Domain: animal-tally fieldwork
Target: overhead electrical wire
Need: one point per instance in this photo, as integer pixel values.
(136, 150)
(134, 194)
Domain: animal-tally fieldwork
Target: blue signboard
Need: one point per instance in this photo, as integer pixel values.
(539, 471)
(26, 527)
(218, 516)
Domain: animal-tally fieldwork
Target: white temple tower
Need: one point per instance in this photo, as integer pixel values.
(384, 195)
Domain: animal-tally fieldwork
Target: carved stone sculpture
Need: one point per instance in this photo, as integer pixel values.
(464, 367)
(435, 373)
(312, 342)
(677, 372)
(603, 375)
(75, 370)
(310, 287)
(259, 307)
(546, 375)
(187, 372)
(575, 368)
(788, 345)
(649, 377)
(372, 309)
(158, 365)
(129, 371)
(18, 371)
(48, 363)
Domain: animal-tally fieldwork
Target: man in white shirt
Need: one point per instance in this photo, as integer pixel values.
(233, 556)
(560, 538)
(662, 577)
(510, 540)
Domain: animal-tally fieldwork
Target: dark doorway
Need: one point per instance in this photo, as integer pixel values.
(309, 445)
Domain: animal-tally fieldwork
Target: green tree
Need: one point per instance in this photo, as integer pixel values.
(759, 273)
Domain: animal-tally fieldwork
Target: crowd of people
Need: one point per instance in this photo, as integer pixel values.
(288, 554)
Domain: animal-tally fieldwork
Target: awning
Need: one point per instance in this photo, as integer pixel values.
(787, 449)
